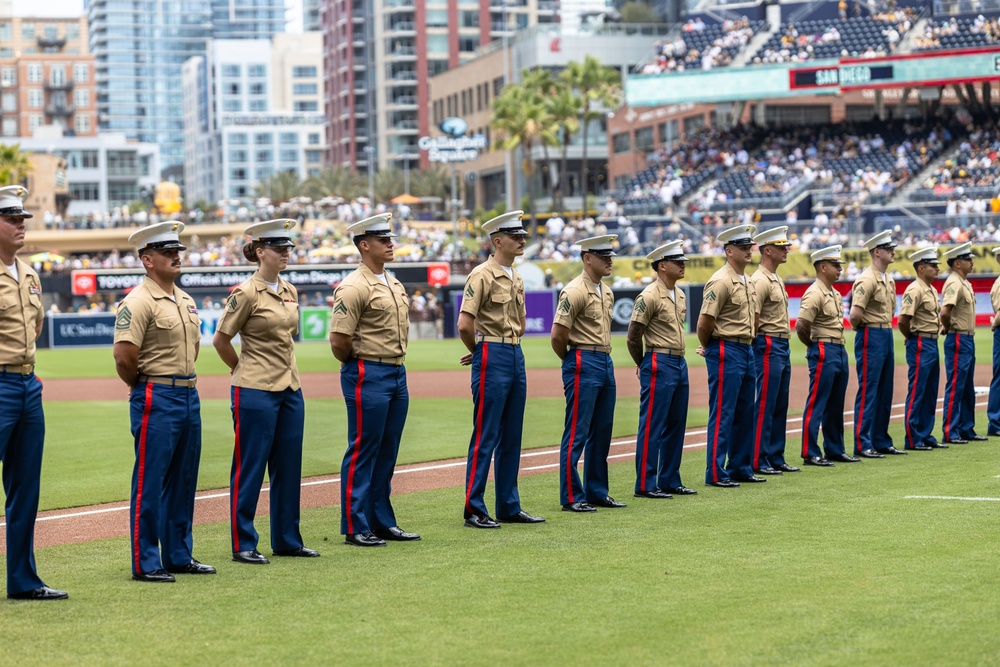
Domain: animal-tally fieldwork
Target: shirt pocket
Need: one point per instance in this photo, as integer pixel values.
(167, 331)
(500, 295)
(738, 295)
(832, 308)
(594, 307)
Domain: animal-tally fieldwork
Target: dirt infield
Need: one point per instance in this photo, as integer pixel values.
(103, 521)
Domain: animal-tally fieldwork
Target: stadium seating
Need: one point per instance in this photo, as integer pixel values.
(835, 38)
(958, 33)
(703, 45)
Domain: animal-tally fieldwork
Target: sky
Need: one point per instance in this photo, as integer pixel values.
(65, 8)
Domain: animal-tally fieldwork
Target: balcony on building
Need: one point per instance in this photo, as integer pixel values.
(60, 109)
(406, 77)
(393, 6)
(405, 128)
(400, 28)
(402, 54)
(59, 85)
(548, 5)
(51, 44)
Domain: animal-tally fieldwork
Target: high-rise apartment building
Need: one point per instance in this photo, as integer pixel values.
(310, 15)
(46, 77)
(140, 46)
(379, 55)
(252, 108)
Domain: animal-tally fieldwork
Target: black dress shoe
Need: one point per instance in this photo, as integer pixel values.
(993, 434)
(937, 445)
(481, 521)
(892, 451)
(784, 467)
(578, 507)
(843, 458)
(396, 534)
(194, 567)
(300, 552)
(752, 479)
(768, 471)
(957, 441)
(817, 461)
(607, 501)
(155, 577)
(252, 557)
(364, 540)
(978, 438)
(521, 517)
(870, 454)
(655, 493)
(43, 593)
(724, 484)
(681, 491)
(919, 448)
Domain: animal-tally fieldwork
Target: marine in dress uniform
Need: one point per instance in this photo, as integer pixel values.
(772, 357)
(958, 323)
(726, 328)
(820, 327)
(22, 421)
(490, 324)
(581, 338)
(656, 342)
(993, 405)
(873, 303)
(368, 335)
(920, 322)
(157, 337)
(268, 409)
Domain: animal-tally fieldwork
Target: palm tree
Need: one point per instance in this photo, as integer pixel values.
(433, 181)
(388, 183)
(335, 182)
(594, 83)
(279, 187)
(519, 119)
(540, 84)
(14, 164)
(565, 108)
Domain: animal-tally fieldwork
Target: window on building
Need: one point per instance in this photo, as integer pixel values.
(313, 139)
(258, 88)
(258, 105)
(437, 44)
(257, 70)
(237, 139)
(468, 44)
(73, 31)
(238, 174)
(644, 139)
(263, 173)
(9, 102)
(469, 19)
(34, 72)
(231, 88)
(35, 98)
(85, 191)
(304, 72)
(8, 76)
(262, 139)
(27, 31)
(668, 132)
(304, 89)
(232, 70)
(81, 98)
(288, 139)
(81, 121)
(237, 155)
(693, 124)
(313, 157)
(6, 32)
(497, 86)
(81, 73)
(289, 155)
(10, 127)
(90, 160)
(437, 18)
(264, 155)
(232, 106)
(51, 31)
(622, 143)
(305, 106)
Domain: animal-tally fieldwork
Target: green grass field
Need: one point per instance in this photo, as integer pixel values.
(422, 355)
(825, 567)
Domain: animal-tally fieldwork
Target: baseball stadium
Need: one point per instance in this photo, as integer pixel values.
(852, 145)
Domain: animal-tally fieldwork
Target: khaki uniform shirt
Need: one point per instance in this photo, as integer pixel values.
(920, 302)
(586, 313)
(995, 300)
(494, 300)
(825, 309)
(730, 302)
(266, 322)
(665, 319)
(166, 331)
(773, 301)
(376, 316)
(20, 313)
(877, 298)
(959, 294)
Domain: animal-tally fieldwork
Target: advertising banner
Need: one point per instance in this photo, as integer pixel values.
(87, 330)
(540, 307)
(314, 323)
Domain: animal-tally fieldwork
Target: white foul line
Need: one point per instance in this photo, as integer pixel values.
(993, 500)
(456, 464)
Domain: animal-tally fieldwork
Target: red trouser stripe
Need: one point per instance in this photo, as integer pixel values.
(357, 445)
(763, 403)
(237, 460)
(864, 384)
(479, 425)
(649, 417)
(718, 411)
(572, 430)
(913, 392)
(140, 477)
(814, 389)
(954, 383)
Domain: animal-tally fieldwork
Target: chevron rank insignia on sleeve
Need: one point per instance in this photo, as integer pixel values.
(123, 321)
